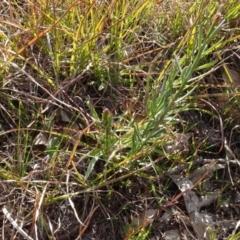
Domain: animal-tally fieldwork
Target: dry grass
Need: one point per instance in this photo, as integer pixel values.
(104, 105)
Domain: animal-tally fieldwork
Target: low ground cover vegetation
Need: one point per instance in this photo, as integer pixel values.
(119, 119)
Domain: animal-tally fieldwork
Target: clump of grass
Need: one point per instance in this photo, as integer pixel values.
(92, 93)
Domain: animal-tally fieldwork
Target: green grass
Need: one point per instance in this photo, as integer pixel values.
(91, 94)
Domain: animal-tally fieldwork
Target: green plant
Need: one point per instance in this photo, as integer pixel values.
(103, 86)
